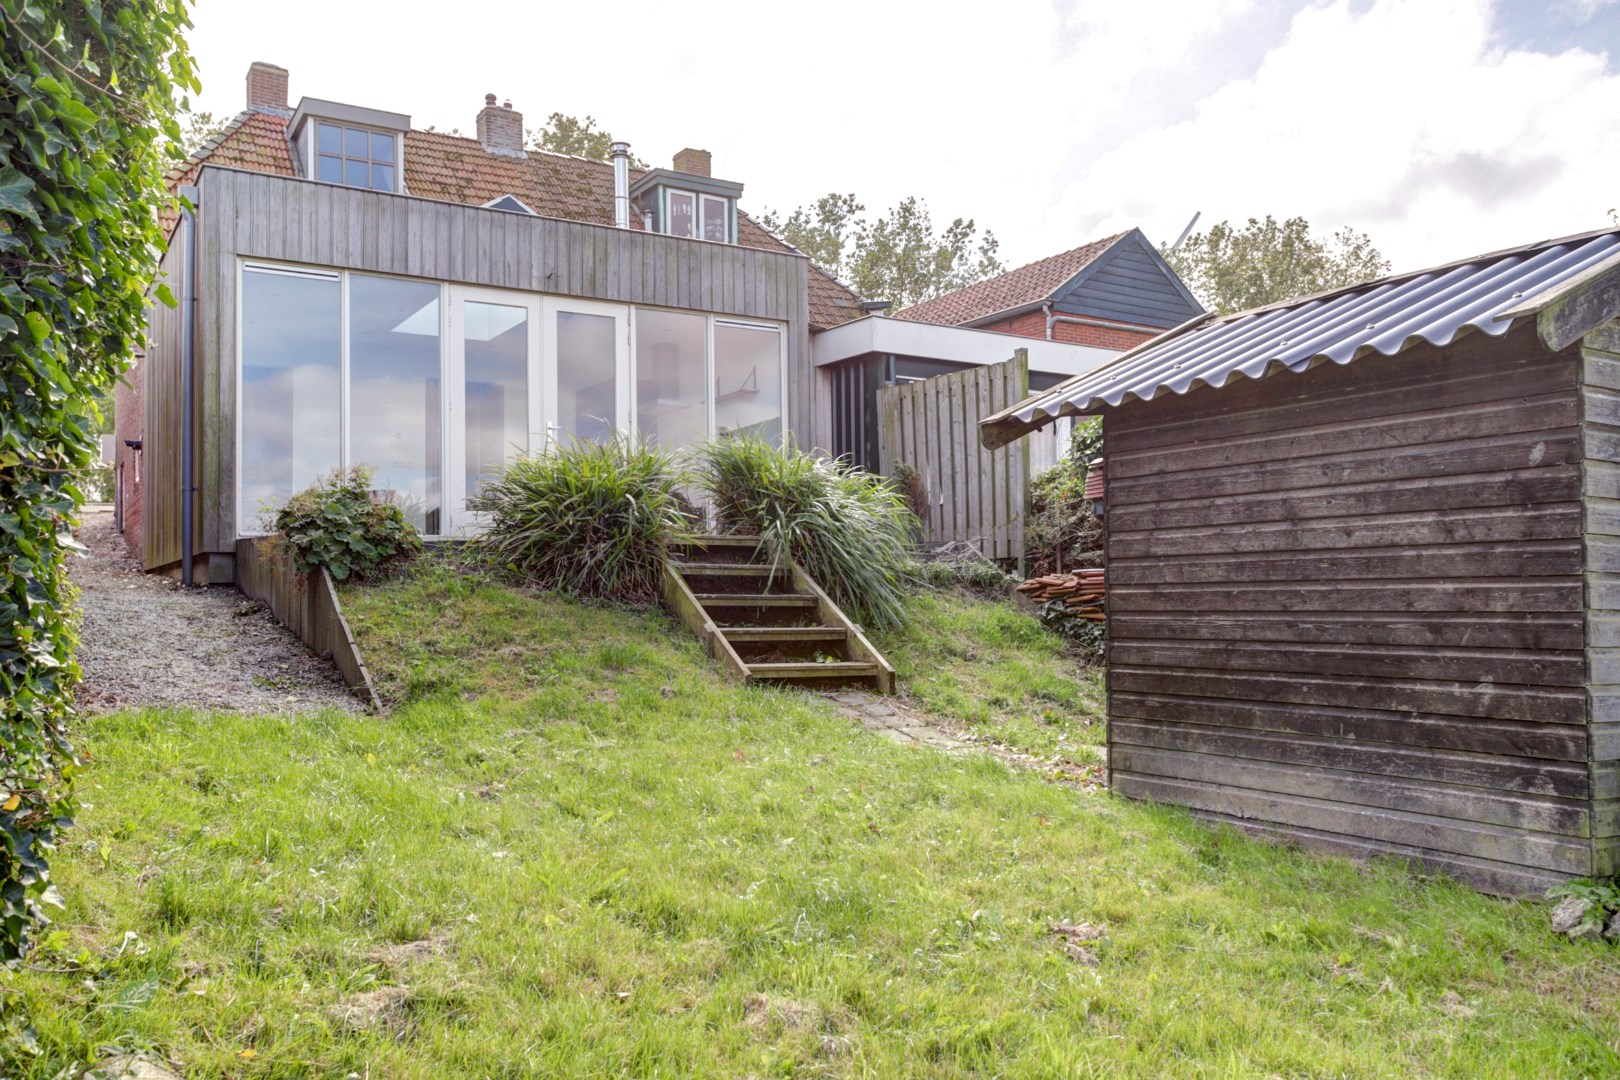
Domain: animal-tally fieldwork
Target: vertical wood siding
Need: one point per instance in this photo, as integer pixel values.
(976, 496)
(256, 215)
(1600, 436)
(160, 446)
(1347, 605)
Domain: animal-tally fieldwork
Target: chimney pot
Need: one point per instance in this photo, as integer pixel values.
(500, 129)
(266, 87)
(693, 162)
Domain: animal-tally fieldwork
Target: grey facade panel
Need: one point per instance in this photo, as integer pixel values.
(1131, 285)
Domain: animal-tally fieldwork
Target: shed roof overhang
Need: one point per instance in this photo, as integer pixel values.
(956, 344)
(1569, 287)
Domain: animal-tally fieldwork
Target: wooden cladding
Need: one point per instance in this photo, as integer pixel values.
(1350, 606)
(975, 496)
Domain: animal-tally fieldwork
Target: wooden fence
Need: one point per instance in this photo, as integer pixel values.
(306, 604)
(975, 496)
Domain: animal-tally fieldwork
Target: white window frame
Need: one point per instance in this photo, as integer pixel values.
(710, 322)
(699, 214)
(456, 519)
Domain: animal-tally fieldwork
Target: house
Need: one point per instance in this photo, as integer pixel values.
(1098, 299)
(1364, 564)
(356, 290)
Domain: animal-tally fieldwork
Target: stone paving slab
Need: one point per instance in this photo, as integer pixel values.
(881, 715)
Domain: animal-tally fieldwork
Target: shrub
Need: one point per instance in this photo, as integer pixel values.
(588, 519)
(86, 129)
(340, 524)
(1062, 530)
(964, 566)
(851, 531)
(914, 488)
(1087, 636)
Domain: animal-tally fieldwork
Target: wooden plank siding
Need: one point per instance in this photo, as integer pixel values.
(161, 373)
(262, 216)
(1348, 606)
(1600, 437)
(976, 496)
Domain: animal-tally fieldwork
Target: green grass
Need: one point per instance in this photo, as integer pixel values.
(579, 851)
(996, 671)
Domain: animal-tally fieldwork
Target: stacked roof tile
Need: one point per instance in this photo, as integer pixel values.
(1021, 288)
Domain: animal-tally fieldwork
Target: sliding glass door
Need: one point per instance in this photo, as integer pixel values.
(495, 409)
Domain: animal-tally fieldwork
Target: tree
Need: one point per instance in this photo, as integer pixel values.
(571, 135)
(1231, 269)
(197, 128)
(899, 257)
(87, 128)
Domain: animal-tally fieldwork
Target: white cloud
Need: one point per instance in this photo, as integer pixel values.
(1401, 119)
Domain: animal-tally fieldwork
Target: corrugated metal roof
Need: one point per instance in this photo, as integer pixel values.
(1488, 294)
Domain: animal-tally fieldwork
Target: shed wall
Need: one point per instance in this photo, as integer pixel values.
(1347, 606)
(1600, 421)
(257, 215)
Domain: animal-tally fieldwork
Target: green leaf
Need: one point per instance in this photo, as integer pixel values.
(166, 297)
(38, 326)
(14, 191)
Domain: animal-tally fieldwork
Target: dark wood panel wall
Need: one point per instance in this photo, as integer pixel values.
(1600, 434)
(256, 215)
(1348, 605)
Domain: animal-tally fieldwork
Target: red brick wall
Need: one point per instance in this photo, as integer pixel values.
(1032, 324)
(129, 422)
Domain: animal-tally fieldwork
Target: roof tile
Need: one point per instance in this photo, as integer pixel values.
(1031, 284)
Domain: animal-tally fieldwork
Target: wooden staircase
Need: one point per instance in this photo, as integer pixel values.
(767, 627)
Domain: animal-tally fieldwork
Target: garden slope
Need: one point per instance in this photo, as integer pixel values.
(579, 851)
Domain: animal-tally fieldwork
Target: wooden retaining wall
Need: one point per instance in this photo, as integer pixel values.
(976, 496)
(306, 604)
(1348, 606)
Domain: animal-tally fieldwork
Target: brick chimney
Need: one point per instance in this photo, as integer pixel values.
(695, 162)
(267, 88)
(500, 129)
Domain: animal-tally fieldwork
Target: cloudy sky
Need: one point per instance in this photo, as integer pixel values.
(1443, 128)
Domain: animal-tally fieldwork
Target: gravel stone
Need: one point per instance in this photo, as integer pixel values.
(147, 643)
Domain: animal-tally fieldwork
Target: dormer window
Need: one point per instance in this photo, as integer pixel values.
(688, 203)
(351, 146)
(355, 157)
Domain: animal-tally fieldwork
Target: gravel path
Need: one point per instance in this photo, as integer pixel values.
(145, 642)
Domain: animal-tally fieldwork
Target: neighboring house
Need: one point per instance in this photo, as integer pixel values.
(1364, 564)
(1113, 293)
(1082, 307)
(363, 292)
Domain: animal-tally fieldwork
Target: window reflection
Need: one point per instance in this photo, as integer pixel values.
(586, 379)
(747, 381)
(395, 389)
(672, 361)
(497, 388)
(290, 407)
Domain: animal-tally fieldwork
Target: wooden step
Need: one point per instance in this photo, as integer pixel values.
(784, 633)
(844, 669)
(728, 569)
(718, 541)
(787, 600)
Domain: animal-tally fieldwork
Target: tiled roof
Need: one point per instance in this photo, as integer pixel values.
(1032, 284)
(454, 168)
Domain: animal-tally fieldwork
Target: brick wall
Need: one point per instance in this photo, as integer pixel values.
(1032, 324)
(129, 422)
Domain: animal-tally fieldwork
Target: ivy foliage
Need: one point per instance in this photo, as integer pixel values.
(87, 92)
(338, 523)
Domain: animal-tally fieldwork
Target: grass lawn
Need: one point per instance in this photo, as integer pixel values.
(578, 851)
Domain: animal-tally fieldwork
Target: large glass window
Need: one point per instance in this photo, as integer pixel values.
(355, 157)
(672, 378)
(291, 404)
(395, 384)
(682, 214)
(496, 340)
(587, 362)
(716, 219)
(747, 381)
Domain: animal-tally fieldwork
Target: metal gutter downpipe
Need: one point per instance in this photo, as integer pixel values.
(188, 366)
(621, 185)
(1103, 324)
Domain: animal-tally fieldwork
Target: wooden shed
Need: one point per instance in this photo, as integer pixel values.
(1364, 565)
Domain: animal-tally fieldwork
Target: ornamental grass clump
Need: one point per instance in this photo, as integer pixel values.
(587, 519)
(850, 530)
(340, 523)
